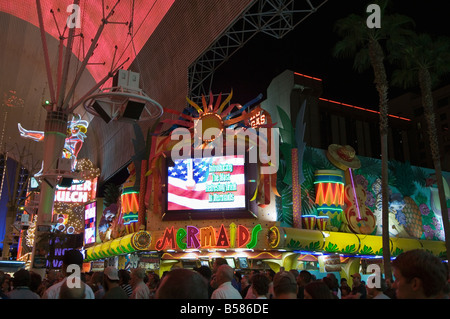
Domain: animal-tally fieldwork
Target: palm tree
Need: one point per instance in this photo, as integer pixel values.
(423, 61)
(365, 45)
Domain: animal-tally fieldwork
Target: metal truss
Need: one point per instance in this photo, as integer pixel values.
(275, 18)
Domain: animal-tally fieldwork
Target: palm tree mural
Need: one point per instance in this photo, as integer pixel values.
(365, 45)
(423, 61)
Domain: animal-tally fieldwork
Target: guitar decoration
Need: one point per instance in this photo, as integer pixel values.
(358, 218)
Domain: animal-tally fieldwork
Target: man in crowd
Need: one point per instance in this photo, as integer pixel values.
(419, 275)
(284, 285)
(358, 290)
(225, 290)
(72, 285)
(113, 289)
(140, 289)
(182, 284)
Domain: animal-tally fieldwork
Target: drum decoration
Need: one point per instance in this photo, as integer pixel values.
(309, 221)
(329, 186)
(130, 211)
(130, 201)
(322, 222)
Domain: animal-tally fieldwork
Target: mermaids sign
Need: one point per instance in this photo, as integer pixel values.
(209, 237)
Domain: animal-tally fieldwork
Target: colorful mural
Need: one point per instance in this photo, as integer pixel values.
(414, 210)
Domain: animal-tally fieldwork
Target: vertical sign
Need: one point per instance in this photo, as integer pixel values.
(89, 223)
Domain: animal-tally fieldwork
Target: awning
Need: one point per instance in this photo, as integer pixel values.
(11, 266)
(138, 241)
(348, 243)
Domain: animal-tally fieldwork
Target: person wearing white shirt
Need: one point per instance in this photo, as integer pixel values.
(140, 289)
(79, 289)
(225, 289)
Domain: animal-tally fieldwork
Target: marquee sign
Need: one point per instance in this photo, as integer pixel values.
(191, 237)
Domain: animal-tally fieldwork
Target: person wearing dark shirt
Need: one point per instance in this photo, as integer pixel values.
(113, 289)
(124, 282)
(303, 278)
(358, 290)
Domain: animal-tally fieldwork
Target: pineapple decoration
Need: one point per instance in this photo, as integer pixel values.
(404, 182)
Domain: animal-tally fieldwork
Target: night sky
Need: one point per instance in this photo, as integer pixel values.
(308, 50)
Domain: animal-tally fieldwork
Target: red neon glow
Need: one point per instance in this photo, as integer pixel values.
(364, 109)
(130, 202)
(330, 194)
(146, 16)
(307, 76)
(130, 208)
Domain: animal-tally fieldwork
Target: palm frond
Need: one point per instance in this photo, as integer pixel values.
(404, 174)
(416, 52)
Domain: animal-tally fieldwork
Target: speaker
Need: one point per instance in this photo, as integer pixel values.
(65, 182)
(97, 106)
(128, 79)
(133, 110)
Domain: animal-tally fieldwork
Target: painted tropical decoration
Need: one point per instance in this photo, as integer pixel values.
(408, 213)
(292, 148)
(412, 212)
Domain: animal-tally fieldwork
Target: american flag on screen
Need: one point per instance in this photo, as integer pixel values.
(190, 181)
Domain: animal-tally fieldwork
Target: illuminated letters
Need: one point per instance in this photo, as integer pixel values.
(232, 235)
(243, 235)
(192, 240)
(206, 237)
(254, 240)
(168, 238)
(181, 234)
(222, 240)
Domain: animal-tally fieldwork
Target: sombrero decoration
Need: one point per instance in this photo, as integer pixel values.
(343, 157)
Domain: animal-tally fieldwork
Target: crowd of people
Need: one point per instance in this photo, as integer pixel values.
(418, 275)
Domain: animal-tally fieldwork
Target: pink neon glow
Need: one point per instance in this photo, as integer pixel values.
(363, 109)
(354, 193)
(147, 15)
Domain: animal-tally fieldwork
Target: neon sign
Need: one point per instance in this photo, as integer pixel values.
(80, 193)
(76, 133)
(258, 119)
(209, 237)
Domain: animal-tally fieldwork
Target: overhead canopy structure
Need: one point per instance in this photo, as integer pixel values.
(167, 42)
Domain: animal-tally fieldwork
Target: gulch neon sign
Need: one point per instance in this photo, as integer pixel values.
(192, 237)
(79, 193)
